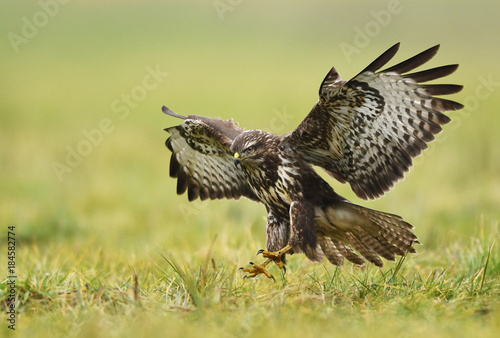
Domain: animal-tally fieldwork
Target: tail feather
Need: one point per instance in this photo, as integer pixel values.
(373, 234)
(330, 250)
(366, 251)
(348, 253)
(377, 244)
(400, 244)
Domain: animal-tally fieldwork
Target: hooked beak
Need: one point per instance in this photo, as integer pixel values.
(237, 159)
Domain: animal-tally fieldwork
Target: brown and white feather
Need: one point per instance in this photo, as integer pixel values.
(202, 160)
(367, 131)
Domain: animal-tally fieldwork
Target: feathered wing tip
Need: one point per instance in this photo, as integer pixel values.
(372, 234)
(411, 117)
(428, 91)
(167, 111)
(366, 131)
(432, 74)
(382, 59)
(414, 61)
(201, 158)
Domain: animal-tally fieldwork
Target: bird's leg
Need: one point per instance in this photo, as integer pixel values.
(271, 257)
(276, 255)
(258, 269)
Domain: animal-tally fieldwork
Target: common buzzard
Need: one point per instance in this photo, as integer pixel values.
(365, 131)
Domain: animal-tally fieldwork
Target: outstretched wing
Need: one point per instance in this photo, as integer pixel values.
(201, 158)
(367, 130)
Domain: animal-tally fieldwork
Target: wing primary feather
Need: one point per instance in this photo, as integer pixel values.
(168, 142)
(182, 182)
(413, 62)
(379, 120)
(382, 59)
(193, 189)
(204, 193)
(432, 74)
(202, 160)
(441, 89)
(174, 166)
(445, 105)
(167, 111)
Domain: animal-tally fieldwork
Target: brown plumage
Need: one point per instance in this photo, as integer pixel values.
(365, 131)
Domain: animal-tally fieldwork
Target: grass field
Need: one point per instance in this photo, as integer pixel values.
(104, 246)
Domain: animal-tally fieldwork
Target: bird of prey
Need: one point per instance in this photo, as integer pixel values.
(364, 131)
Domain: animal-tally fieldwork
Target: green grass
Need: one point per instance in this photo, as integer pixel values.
(110, 250)
(446, 293)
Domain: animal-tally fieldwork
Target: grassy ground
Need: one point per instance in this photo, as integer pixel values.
(104, 247)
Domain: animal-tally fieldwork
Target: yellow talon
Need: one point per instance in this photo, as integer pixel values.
(276, 256)
(271, 256)
(258, 269)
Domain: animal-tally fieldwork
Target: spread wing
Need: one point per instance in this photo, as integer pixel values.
(367, 131)
(201, 158)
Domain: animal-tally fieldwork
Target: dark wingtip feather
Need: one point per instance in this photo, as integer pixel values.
(442, 89)
(382, 59)
(442, 118)
(174, 166)
(182, 182)
(167, 111)
(204, 193)
(455, 105)
(414, 62)
(193, 190)
(442, 105)
(168, 142)
(432, 74)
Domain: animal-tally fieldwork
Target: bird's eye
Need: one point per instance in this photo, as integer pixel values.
(250, 149)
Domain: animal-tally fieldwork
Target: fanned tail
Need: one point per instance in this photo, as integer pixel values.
(350, 231)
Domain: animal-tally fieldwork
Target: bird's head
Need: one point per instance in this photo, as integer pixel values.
(251, 147)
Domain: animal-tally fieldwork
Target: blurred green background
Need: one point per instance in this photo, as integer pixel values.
(260, 62)
(69, 69)
(254, 61)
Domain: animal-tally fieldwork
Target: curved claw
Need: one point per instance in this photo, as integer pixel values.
(242, 268)
(256, 270)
